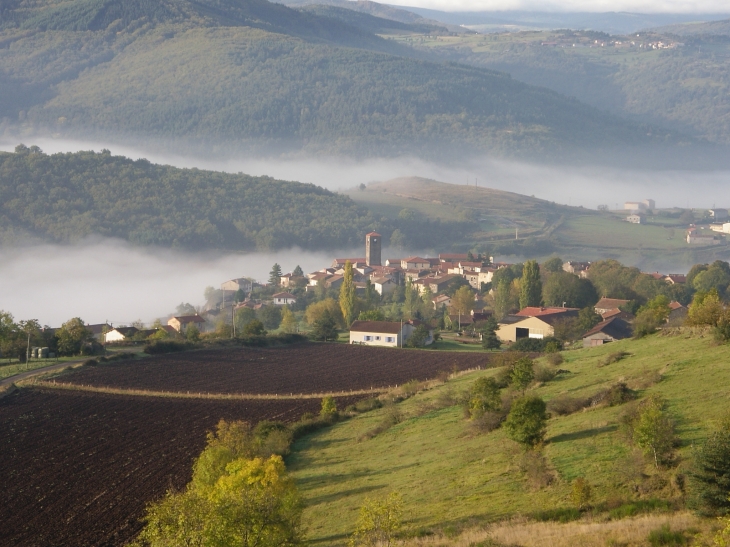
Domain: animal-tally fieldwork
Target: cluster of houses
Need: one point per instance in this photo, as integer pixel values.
(696, 235)
(427, 275)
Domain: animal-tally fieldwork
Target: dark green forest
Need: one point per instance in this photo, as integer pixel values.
(63, 198)
(263, 76)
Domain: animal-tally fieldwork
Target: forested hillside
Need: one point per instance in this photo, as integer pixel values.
(681, 83)
(63, 198)
(259, 76)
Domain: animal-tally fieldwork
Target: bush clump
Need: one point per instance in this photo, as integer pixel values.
(541, 345)
(665, 537)
(614, 358)
(562, 405)
(168, 346)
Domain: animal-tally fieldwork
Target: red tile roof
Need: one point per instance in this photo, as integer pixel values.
(386, 327)
(610, 303)
(283, 295)
(541, 312)
(189, 318)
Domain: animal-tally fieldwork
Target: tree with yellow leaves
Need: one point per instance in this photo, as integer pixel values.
(378, 522)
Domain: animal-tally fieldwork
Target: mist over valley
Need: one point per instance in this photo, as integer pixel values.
(339, 273)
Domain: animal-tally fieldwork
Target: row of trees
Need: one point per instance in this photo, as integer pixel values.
(16, 337)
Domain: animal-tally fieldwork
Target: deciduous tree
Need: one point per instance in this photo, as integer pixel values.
(288, 321)
(378, 522)
(72, 335)
(348, 301)
(530, 285)
(527, 421)
(522, 374)
(484, 396)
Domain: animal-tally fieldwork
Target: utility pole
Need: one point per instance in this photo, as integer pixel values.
(27, 353)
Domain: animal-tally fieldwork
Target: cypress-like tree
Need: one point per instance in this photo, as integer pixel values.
(530, 286)
(347, 296)
(275, 275)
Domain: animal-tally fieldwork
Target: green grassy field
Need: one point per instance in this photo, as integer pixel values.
(611, 232)
(574, 233)
(451, 476)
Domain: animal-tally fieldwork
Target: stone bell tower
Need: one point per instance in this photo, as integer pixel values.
(372, 249)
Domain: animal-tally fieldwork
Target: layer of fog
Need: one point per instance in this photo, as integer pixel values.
(587, 186)
(109, 280)
(633, 6)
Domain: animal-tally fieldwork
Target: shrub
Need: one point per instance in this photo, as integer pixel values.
(536, 469)
(555, 359)
(167, 346)
(562, 405)
(619, 394)
(634, 508)
(562, 514)
(254, 328)
(537, 345)
(488, 421)
(484, 397)
(614, 358)
(365, 405)
(580, 493)
(665, 537)
(522, 373)
(527, 420)
(545, 374)
(378, 522)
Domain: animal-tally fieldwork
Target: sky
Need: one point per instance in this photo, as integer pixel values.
(634, 6)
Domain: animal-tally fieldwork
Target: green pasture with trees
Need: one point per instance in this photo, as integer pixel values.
(645, 434)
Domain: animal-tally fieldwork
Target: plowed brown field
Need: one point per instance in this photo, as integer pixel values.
(77, 469)
(305, 368)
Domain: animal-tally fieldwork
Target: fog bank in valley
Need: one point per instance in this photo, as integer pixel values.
(587, 186)
(110, 280)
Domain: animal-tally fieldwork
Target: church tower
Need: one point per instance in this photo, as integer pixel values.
(372, 249)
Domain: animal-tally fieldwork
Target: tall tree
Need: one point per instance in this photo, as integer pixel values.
(72, 336)
(298, 272)
(531, 286)
(275, 275)
(412, 300)
(288, 321)
(347, 295)
(463, 300)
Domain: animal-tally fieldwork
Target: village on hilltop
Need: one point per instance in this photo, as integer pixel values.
(437, 282)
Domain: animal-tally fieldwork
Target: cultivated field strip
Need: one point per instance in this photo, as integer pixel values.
(294, 370)
(53, 384)
(77, 468)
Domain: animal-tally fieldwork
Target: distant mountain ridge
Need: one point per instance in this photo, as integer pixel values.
(695, 29)
(258, 76)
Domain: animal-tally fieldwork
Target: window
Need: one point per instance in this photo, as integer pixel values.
(377, 337)
(368, 338)
(390, 339)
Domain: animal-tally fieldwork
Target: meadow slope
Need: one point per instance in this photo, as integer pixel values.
(451, 476)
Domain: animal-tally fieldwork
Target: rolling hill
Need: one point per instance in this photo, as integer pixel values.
(697, 28)
(654, 77)
(259, 76)
(505, 223)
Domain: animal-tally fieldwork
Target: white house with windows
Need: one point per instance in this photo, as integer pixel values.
(284, 299)
(384, 333)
